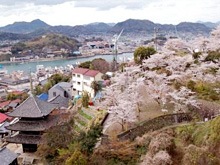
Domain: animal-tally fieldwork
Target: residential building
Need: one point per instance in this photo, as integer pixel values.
(82, 80)
(62, 102)
(63, 89)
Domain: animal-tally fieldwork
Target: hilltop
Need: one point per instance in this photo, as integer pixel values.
(143, 26)
(131, 26)
(47, 43)
(24, 27)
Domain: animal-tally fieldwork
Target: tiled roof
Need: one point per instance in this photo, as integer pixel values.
(7, 156)
(17, 92)
(62, 101)
(80, 70)
(35, 125)
(16, 101)
(33, 107)
(91, 73)
(3, 127)
(3, 117)
(3, 104)
(86, 72)
(24, 139)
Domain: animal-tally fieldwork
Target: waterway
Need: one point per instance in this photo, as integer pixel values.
(27, 66)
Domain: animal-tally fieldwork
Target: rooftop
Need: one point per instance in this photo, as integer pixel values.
(7, 156)
(86, 72)
(62, 101)
(33, 107)
(3, 117)
(35, 124)
(91, 73)
(24, 139)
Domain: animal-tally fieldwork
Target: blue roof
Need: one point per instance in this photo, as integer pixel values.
(98, 96)
(77, 97)
(43, 96)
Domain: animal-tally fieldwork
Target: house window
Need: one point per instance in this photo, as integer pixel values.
(74, 89)
(86, 78)
(65, 94)
(78, 75)
(78, 83)
(54, 94)
(74, 75)
(85, 83)
(74, 82)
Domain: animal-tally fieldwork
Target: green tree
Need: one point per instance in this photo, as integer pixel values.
(85, 99)
(101, 65)
(142, 53)
(38, 90)
(96, 86)
(11, 96)
(86, 65)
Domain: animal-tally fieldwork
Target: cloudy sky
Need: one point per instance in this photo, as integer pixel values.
(77, 12)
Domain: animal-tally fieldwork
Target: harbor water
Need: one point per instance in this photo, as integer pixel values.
(27, 66)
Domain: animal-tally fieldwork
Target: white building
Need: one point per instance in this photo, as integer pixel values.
(83, 78)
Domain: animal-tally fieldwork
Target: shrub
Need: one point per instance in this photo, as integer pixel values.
(86, 65)
(213, 56)
(88, 140)
(85, 99)
(191, 85)
(77, 158)
(196, 55)
(142, 53)
(162, 158)
(162, 141)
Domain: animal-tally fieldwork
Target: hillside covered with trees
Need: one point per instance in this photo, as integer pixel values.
(47, 43)
(148, 102)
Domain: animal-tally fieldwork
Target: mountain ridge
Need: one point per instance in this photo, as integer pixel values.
(37, 28)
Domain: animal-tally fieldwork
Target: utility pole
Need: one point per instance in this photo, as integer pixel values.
(31, 83)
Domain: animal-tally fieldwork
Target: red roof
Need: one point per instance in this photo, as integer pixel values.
(91, 73)
(3, 104)
(16, 101)
(86, 72)
(16, 92)
(80, 70)
(3, 117)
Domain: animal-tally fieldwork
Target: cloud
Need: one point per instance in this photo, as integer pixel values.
(109, 4)
(98, 4)
(35, 2)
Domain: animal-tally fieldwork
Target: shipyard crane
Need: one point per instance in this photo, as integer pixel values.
(115, 41)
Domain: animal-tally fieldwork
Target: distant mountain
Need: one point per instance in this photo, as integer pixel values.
(98, 27)
(133, 26)
(38, 28)
(111, 24)
(24, 27)
(146, 26)
(210, 24)
(193, 28)
(11, 36)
